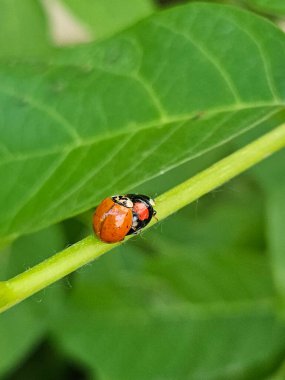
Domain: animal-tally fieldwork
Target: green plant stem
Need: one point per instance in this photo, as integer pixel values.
(27, 283)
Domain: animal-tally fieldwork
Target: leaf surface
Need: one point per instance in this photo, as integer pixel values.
(106, 117)
(271, 176)
(23, 30)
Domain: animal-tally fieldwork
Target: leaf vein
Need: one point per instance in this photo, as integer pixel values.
(35, 190)
(91, 174)
(267, 70)
(50, 112)
(146, 155)
(209, 56)
(143, 126)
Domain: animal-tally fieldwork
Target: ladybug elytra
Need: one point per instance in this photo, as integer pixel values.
(122, 215)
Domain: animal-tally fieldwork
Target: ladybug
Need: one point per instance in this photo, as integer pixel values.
(122, 215)
(143, 211)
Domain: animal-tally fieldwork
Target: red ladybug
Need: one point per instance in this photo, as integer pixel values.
(122, 215)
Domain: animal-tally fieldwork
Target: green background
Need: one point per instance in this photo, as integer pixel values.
(201, 295)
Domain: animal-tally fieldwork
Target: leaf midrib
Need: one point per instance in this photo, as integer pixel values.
(67, 148)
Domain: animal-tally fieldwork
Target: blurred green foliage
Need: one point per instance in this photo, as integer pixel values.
(200, 296)
(271, 7)
(23, 29)
(107, 17)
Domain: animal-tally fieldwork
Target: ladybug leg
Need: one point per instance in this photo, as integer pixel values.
(135, 225)
(154, 215)
(135, 222)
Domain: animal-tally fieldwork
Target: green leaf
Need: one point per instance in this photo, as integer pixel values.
(174, 316)
(271, 173)
(271, 177)
(107, 17)
(276, 238)
(22, 328)
(109, 116)
(274, 7)
(23, 31)
(20, 331)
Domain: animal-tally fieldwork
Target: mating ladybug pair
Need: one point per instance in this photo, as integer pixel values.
(122, 215)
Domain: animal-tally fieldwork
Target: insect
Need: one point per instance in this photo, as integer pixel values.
(122, 215)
